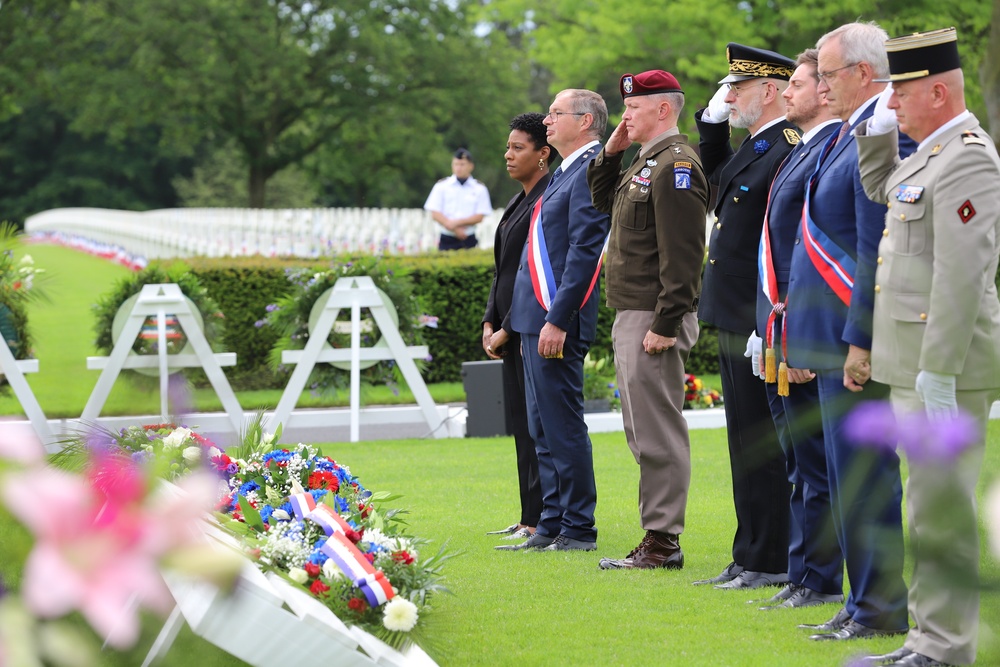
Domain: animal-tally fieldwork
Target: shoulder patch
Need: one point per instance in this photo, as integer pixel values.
(791, 136)
(971, 138)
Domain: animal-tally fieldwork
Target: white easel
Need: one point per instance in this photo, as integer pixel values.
(356, 293)
(159, 301)
(15, 370)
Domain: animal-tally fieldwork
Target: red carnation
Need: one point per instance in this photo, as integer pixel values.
(402, 557)
(357, 604)
(353, 535)
(371, 557)
(312, 569)
(322, 479)
(318, 588)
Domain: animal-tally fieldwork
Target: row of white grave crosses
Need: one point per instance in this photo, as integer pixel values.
(160, 302)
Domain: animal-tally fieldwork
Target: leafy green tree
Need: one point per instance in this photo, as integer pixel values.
(281, 78)
(592, 43)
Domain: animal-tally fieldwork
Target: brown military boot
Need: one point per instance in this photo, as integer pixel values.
(655, 550)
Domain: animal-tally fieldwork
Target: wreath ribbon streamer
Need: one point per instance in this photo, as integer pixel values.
(371, 582)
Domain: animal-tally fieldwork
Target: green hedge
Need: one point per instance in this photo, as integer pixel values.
(453, 286)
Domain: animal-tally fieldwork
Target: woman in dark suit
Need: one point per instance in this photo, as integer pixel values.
(528, 158)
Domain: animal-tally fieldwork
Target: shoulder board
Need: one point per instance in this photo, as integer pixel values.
(791, 136)
(971, 138)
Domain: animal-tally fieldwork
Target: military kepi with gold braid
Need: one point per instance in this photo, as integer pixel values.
(922, 54)
(748, 62)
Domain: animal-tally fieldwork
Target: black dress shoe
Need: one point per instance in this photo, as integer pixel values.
(563, 543)
(854, 630)
(748, 580)
(835, 623)
(730, 573)
(806, 597)
(779, 597)
(885, 658)
(918, 660)
(536, 541)
(506, 531)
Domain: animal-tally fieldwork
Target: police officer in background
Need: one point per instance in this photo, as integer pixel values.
(458, 203)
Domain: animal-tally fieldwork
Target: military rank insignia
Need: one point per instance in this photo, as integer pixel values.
(791, 136)
(966, 211)
(971, 138)
(682, 175)
(909, 193)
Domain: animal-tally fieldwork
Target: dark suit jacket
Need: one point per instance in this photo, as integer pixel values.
(788, 193)
(512, 232)
(575, 232)
(820, 327)
(729, 285)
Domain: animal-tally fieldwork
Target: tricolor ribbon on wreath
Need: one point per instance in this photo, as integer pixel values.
(543, 280)
(373, 583)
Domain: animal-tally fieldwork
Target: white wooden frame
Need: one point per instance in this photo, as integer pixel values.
(14, 370)
(356, 293)
(159, 300)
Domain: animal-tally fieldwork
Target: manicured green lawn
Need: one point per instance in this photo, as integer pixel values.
(508, 608)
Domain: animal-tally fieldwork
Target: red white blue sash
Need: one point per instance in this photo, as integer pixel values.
(765, 269)
(338, 547)
(834, 264)
(543, 280)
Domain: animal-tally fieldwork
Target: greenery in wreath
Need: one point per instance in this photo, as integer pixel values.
(290, 316)
(108, 306)
(20, 285)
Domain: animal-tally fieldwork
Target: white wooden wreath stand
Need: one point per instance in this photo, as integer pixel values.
(15, 370)
(158, 301)
(356, 293)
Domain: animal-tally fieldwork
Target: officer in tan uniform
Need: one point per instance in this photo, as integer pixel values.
(653, 271)
(936, 338)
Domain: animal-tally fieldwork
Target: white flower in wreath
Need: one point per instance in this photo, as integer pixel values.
(192, 454)
(176, 438)
(214, 452)
(298, 575)
(399, 615)
(267, 438)
(331, 570)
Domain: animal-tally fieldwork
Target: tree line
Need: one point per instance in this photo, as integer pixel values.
(142, 104)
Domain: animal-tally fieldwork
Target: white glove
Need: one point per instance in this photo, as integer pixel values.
(883, 118)
(937, 391)
(717, 110)
(754, 347)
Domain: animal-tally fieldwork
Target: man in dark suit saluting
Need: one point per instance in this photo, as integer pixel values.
(750, 98)
(556, 296)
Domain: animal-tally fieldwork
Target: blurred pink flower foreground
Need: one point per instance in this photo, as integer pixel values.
(99, 536)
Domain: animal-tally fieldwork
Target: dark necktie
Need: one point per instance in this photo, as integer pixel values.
(555, 177)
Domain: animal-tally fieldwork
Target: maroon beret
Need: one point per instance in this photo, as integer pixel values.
(649, 83)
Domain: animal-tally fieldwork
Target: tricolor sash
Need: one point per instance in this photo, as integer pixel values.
(373, 583)
(543, 280)
(835, 265)
(769, 285)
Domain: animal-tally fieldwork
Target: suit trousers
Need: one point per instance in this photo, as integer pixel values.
(814, 557)
(529, 486)
(866, 497)
(652, 395)
(760, 484)
(554, 395)
(944, 534)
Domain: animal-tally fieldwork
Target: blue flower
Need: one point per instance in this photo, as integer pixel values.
(247, 487)
(341, 504)
(318, 493)
(760, 146)
(265, 513)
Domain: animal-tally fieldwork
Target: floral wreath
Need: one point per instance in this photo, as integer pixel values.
(291, 315)
(111, 304)
(20, 285)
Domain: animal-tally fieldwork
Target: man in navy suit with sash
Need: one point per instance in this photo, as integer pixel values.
(728, 300)
(815, 564)
(829, 331)
(556, 296)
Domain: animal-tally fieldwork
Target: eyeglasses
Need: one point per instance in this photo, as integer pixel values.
(737, 91)
(824, 77)
(555, 115)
